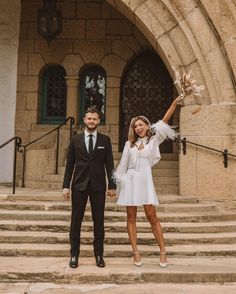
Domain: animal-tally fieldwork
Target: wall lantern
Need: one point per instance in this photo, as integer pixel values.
(49, 20)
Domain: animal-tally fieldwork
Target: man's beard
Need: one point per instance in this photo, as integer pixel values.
(91, 128)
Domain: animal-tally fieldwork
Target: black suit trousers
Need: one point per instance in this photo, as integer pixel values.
(97, 202)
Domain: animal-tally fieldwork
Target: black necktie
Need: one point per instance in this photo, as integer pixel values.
(90, 145)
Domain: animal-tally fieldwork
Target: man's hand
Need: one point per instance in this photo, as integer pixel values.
(111, 193)
(66, 193)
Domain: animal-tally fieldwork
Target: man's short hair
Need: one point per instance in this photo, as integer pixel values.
(92, 109)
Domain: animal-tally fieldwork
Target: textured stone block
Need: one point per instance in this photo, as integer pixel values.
(72, 64)
(26, 45)
(27, 84)
(56, 51)
(20, 101)
(118, 27)
(105, 10)
(73, 29)
(24, 119)
(121, 50)
(112, 96)
(89, 10)
(113, 65)
(22, 64)
(113, 81)
(93, 51)
(112, 115)
(95, 29)
(68, 9)
(32, 101)
(35, 64)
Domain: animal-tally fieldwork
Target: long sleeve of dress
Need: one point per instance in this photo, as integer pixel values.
(163, 131)
(123, 164)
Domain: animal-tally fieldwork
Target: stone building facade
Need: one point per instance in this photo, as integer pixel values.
(115, 35)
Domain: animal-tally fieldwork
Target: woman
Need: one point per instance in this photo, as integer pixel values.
(134, 176)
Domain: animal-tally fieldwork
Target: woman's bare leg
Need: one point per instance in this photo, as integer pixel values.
(132, 230)
(150, 211)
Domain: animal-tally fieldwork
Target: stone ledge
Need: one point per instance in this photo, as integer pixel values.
(118, 270)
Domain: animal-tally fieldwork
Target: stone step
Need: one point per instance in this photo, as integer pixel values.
(57, 196)
(114, 238)
(164, 156)
(160, 188)
(115, 250)
(165, 182)
(164, 163)
(157, 173)
(118, 270)
(63, 226)
(165, 172)
(114, 288)
(66, 206)
(163, 185)
(117, 216)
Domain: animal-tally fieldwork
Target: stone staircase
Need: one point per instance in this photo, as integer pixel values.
(165, 175)
(34, 244)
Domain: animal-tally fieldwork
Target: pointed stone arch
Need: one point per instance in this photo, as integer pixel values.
(172, 28)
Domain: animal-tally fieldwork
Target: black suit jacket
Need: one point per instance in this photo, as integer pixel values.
(86, 169)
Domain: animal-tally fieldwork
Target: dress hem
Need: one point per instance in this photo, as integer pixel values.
(139, 204)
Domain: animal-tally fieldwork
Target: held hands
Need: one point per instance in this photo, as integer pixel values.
(66, 193)
(111, 193)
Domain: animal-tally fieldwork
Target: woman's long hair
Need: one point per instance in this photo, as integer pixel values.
(132, 136)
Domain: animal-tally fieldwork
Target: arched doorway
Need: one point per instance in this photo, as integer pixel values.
(146, 89)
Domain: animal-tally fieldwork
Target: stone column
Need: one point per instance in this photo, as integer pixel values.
(72, 97)
(9, 40)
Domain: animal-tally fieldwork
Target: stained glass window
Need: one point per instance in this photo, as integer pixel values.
(53, 95)
(93, 91)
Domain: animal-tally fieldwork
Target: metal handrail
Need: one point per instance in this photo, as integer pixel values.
(225, 153)
(17, 143)
(57, 129)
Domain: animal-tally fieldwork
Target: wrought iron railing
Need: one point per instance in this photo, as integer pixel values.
(225, 153)
(17, 144)
(23, 148)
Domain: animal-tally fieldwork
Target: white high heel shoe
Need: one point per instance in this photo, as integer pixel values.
(137, 263)
(163, 264)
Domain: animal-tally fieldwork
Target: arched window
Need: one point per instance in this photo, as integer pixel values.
(93, 91)
(53, 93)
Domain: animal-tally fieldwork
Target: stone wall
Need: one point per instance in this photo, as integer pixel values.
(9, 37)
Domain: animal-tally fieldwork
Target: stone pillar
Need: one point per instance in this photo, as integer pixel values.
(72, 97)
(9, 40)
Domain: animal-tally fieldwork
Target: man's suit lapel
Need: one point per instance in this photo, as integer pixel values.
(98, 143)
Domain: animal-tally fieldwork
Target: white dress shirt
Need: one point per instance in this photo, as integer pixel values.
(86, 137)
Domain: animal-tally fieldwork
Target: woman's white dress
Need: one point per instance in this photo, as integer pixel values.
(134, 173)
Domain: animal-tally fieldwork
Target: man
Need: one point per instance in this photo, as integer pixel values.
(89, 159)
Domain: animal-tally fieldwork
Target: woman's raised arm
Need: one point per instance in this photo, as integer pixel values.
(171, 110)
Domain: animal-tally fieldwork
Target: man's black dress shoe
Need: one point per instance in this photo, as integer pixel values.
(73, 262)
(100, 261)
